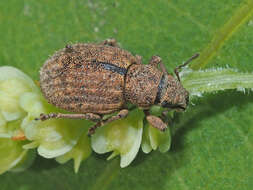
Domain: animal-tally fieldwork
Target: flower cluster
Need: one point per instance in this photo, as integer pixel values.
(63, 139)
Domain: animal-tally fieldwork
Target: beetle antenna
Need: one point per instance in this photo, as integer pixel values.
(176, 71)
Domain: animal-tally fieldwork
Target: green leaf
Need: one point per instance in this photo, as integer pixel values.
(211, 142)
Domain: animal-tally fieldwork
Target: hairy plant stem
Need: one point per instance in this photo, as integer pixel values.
(211, 80)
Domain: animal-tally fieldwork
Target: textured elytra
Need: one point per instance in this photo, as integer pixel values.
(75, 80)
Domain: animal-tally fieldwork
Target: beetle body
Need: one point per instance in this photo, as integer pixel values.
(86, 78)
(101, 79)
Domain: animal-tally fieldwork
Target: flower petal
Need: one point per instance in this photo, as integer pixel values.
(11, 153)
(153, 139)
(55, 137)
(3, 123)
(159, 139)
(10, 108)
(79, 152)
(33, 104)
(14, 75)
(13, 83)
(122, 137)
(145, 144)
(25, 162)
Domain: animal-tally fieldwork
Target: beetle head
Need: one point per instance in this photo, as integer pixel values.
(175, 96)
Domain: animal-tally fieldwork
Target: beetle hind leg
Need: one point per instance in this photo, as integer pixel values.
(92, 129)
(122, 114)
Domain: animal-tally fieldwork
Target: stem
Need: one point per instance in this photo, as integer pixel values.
(197, 82)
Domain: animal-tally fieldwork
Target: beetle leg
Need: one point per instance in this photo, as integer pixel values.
(138, 59)
(155, 121)
(92, 129)
(155, 61)
(110, 42)
(88, 116)
(176, 70)
(122, 114)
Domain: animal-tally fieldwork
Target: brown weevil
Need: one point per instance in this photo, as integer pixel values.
(96, 79)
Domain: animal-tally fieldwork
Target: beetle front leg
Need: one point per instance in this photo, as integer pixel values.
(122, 114)
(110, 42)
(155, 61)
(138, 59)
(155, 121)
(88, 116)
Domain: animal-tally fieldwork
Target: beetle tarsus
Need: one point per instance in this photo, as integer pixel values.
(110, 42)
(44, 117)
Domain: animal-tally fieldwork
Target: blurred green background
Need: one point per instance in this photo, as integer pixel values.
(212, 143)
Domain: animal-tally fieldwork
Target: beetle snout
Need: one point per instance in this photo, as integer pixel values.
(184, 101)
(179, 103)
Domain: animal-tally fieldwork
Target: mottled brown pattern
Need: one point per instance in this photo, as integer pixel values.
(96, 79)
(142, 84)
(71, 79)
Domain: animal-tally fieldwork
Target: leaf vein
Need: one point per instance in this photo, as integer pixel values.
(238, 18)
(188, 16)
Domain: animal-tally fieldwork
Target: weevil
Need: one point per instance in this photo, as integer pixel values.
(91, 80)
